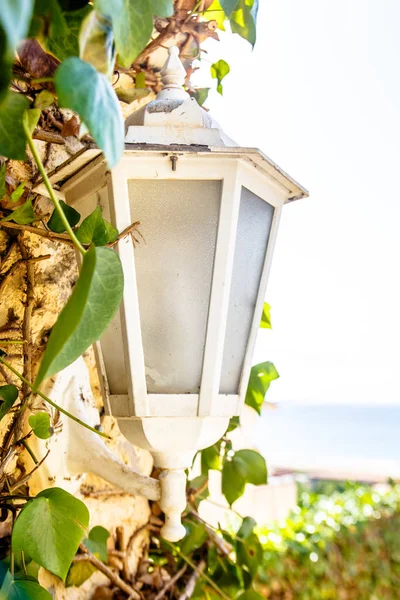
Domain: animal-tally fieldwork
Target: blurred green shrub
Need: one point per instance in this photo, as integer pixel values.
(341, 546)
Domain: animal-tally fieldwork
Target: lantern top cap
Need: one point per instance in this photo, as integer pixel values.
(173, 76)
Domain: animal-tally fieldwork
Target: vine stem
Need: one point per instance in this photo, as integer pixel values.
(47, 399)
(49, 187)
(195, 568)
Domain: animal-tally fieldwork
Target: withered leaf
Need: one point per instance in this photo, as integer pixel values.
(35, 60)
(70, 127)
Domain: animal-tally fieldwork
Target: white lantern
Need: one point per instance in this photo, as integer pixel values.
(177, 356)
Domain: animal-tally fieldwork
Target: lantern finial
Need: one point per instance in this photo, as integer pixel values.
(173, 76)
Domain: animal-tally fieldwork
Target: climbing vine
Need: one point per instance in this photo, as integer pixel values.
(66, 66)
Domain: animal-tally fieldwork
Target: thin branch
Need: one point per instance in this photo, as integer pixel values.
(113, 577)
(48, 136)
(191, 584)
(55, 237)
(224, 548)
(171, 583)
(26, 478)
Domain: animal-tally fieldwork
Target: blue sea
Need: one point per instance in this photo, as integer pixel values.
(350, 441)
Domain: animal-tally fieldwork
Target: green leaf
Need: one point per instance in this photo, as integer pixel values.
(243, 20)
(15, 16)
(12, 135)
(96, 229)
(44, 99)
(128, 95)
(83, 89)
(219, 70)
(250, 595)
(246, 466)
(196, 535)
(260, 379)
(201, 95)
(96, 43)
(55, 222)
(17, 193)
(162, 8)
(96, 543)
(40, 423)
(234, 423)
(63, 38)
(88, 312)
(3, 180)
(233, 484)
(249, 551)
(216, 13)
(266, 317)
(211, 459)
(79, 572)
(132, 25)
(50, 528)
(23, 215)
(228, 6)
(30, 119)
(251, 466)
(9, 394)
(24, 589)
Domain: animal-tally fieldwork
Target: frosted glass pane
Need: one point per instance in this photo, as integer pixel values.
(179, 221)
(255, 218)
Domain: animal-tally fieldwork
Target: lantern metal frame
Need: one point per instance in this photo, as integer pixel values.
(172, 138)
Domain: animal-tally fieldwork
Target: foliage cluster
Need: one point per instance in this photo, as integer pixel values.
(343, 545)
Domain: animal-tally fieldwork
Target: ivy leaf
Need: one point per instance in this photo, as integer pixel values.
(96, 543)
(243, 20)
(3, 180)
(132, 25)
(55, 222)
(12, 135)
(15, 17)
(249, 551)
(201, 95)
(79, 572)
(210, 459)
(196, 535)
(40, 423)
(44, 99)
(128, 95)
(266, 317)
(23, 215)
(72, 4)
(260, 379)
(22, 589)
(246, 466)
(228, 6)
(96, 43)
(83, 89)
(9, 394)
(50, 528)
(17, 193)
(30, 119)
(96, 229)
(88, 312)
(163, 8)
(215, 12)
(63, 38)
(219, 70)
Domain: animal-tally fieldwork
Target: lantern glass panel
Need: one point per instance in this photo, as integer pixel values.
(174, 266)
(254, 226)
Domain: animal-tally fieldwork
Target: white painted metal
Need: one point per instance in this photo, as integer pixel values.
(174, 426)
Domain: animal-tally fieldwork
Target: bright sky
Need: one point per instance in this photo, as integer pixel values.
(320, 95)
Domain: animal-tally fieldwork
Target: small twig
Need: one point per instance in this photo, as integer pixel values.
(191, 584)
(127, 231)
(30, 452)
(29, 475)
(224, 548)
(171, 583)
(56, 237)
(48, 136)
(113, 577)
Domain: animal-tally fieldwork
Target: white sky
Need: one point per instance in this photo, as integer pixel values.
(320, 95)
